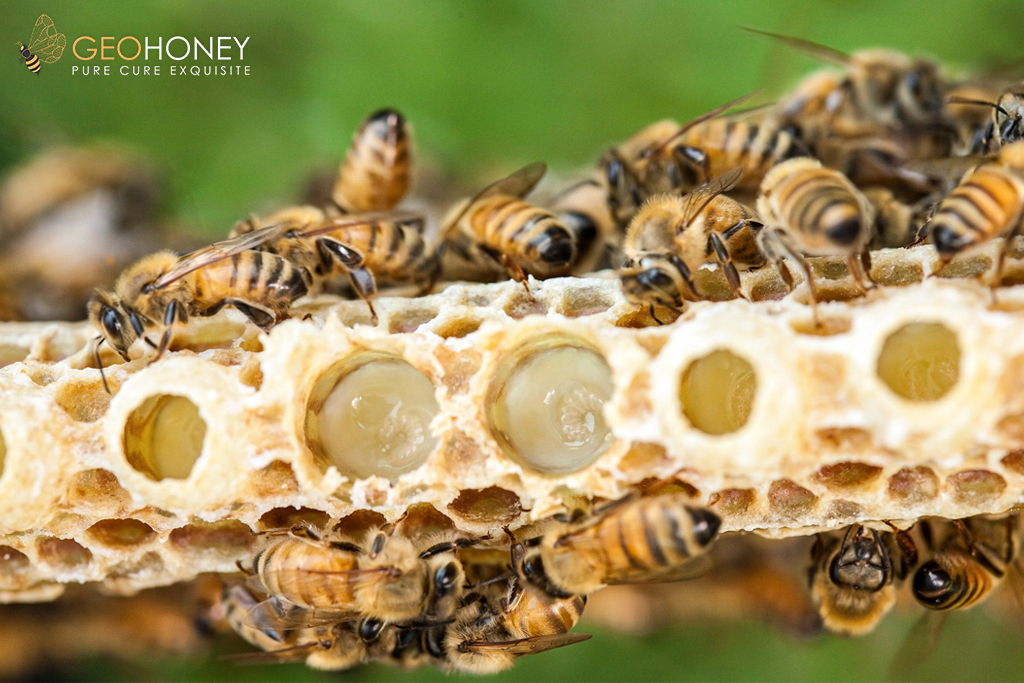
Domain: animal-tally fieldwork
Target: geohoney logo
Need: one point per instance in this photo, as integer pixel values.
(45, 47)
(138, 57)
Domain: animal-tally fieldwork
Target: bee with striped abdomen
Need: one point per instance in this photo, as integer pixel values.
(672, 236)
(45, 47)
(291, 633)
(375, 173)
(523, 238)
(970, 563)
(987, 203)
(163, 290)
(853, 580)
(877, 88)
(632, 540)
(390, 580)
(361, 248)
(486, 638)
(810, 210)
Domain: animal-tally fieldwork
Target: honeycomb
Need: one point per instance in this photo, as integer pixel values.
(482, 406)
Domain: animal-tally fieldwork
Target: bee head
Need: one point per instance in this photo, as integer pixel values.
(919, 93)
(654, 281)
(1009, 117)
(861, 562)
(447, 581)
(112, 321)
(933, 585)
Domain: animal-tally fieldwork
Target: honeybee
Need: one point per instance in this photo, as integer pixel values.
(987, 203)
(389, 246)
(485, 639)
(375, 173)
(672, 236)
(391, 580)
(633, 540)
(522, 237)
(810, 210)
(164, 289)
(877, 88)
(969, 565)
(853, 581)
(897, 224)
(293, 633)
(45, 47)
(669, 158)
(1006, 124)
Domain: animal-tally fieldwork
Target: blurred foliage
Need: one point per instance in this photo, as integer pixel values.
(972, 647)
(485, 84)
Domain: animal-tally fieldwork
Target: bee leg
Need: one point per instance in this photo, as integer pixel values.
(516, 272)
(655, 317)
(171, 315)
(781, 248)
(363, 282)
(99, 363)
(997, 273)
(732, 276)
(855, 264)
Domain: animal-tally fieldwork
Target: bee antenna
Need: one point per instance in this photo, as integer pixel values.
(99, 363)
(980, 103)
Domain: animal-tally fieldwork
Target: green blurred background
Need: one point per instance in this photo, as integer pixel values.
(486, 85)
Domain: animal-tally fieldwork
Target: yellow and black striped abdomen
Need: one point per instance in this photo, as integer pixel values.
(539, 615)
(953, 580)
(532, 236)
(652, 535)
(33, 63)
(308, 575)
(392, 249)
(986, 204)
(375, 174)
(262, 278)
(822, 210)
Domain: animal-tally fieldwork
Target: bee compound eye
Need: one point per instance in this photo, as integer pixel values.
(110, 320)
(369, 629)
(446, 576)
(655, 278)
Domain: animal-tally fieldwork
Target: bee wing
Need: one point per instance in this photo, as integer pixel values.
(691, 569)
(277, 614)
(218, 251)
(946, 167)
(287, 654)
(526, 646)
(829, 54)
(918, 644)
(403, 217)
(654, 149)
(697, 200)
(46, 43)
(519, 184)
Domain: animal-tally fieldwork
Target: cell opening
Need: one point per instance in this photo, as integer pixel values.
(164, 437)
(370, 415)
(920, 361)
(545, 405)
(717, 392)
(120, 532)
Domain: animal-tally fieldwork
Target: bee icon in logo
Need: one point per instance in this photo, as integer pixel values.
(46, 45)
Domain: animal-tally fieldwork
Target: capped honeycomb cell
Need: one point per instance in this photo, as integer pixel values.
(164, 437)
(370, 415)
(920, 361)
(546, 405)
(717, 392)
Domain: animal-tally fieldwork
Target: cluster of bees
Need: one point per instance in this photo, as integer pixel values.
(336, 600)
(885, 152)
